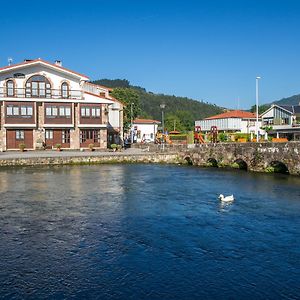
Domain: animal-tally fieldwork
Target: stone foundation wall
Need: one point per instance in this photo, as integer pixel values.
(77, 160)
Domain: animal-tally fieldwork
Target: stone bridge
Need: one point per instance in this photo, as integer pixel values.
(258, 157)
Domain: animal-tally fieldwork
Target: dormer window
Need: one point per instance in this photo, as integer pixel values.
(38, 86)
(65, 90)
(10, 88)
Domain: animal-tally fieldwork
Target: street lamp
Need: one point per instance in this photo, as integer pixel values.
(163, 106)
(131, 123)
(256, 127)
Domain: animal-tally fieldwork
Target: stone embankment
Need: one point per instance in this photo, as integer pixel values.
(257, 157)
(78, 158)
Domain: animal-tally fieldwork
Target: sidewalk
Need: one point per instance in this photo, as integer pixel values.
(66, 153)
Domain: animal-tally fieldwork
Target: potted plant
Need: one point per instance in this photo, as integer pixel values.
(91, 147)
(22, 147)
(58, 147)
(114, 147)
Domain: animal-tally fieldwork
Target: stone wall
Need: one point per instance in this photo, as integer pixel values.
(258, 157)
(77, 160)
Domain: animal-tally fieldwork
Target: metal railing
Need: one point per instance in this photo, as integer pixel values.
(40, 93)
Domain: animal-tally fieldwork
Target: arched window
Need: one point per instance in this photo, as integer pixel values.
(38, 86)
(65, 90)
(10, 88)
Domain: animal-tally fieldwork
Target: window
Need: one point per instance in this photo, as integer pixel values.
(19, 135)
(65, 90)
(10, 88)
(49, 134)
(38, 86)
(58, 112)
(12, 110)
(26, 111)
(65, 136)
(94, 112)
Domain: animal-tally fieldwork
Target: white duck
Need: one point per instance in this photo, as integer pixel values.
(226, 199)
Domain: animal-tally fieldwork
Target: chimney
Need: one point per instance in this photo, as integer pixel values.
(27, 60)
(58, 63)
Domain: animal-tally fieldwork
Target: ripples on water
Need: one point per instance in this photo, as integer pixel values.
(148, 231)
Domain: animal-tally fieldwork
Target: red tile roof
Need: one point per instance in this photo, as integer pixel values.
(234, 114)
(145, 121)
(41, 61)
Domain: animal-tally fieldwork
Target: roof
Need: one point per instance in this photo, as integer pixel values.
(41, 61)
(145, 121)
(234, 114)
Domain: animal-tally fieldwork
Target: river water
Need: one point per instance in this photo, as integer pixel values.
(148, 232)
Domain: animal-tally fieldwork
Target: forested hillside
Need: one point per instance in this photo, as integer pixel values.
(180, 112)
(293, 100)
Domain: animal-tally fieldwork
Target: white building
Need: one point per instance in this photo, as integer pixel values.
(230, 121)
(43, 104)
(283, 121)
(145, 130)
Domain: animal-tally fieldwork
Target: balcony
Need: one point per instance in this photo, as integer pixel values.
(40, 93)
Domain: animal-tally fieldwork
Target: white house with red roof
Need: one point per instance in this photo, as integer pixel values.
(145, 130)
(46, 104)
(230, 121)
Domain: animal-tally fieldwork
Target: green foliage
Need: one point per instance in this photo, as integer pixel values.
(178, 137)
(183, 110)
(122, 83)
(242, 136)
(261, 108)
(223, 137)
(173, 122)
(131, 99)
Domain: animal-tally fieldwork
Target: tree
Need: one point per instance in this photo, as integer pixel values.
(172, 122)
(130, 99)
(261, 108)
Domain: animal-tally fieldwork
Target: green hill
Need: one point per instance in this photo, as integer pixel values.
(293, 100)
(181, 111)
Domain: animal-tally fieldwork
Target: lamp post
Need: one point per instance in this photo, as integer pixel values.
(131, 123)
(256, 127)
(163, 106)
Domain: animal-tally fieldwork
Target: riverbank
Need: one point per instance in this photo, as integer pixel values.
(32, 158)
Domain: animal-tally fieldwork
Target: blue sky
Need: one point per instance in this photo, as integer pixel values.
(210, 50)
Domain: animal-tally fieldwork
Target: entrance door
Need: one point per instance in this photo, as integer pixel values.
(57, 136)
(15, 137)
(90, 136)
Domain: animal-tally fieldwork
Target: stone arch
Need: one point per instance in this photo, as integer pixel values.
(240, 164)
(278, 167)
(212, 162)
(188, 160)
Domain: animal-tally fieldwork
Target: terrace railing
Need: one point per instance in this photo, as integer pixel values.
(40, 93)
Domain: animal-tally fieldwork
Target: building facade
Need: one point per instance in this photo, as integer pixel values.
(46, 105)
(231, 121)
(144, 130)
(282, 121)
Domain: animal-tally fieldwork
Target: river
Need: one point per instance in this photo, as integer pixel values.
(148, 232)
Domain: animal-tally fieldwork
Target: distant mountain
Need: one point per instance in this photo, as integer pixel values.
(182, 108)
(293, 100)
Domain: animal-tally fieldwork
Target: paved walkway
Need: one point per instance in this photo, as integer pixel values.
(68, 153)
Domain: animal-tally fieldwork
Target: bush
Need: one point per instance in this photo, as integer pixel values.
(178, 137)
(223, 137)
(58, 146)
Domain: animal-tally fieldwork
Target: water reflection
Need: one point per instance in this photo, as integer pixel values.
(146, 231)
